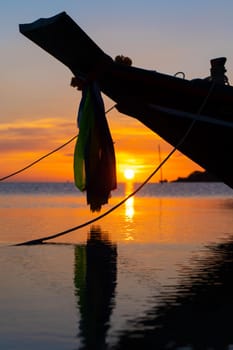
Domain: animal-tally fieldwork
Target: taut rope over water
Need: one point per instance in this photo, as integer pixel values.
(43, 239)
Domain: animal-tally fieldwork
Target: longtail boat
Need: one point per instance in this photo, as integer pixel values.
(171, 106)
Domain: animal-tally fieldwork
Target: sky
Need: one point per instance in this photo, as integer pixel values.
(38, 108)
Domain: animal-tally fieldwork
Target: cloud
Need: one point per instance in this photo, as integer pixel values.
(39, 135)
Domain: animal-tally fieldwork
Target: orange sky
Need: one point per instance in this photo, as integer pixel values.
(136, 147)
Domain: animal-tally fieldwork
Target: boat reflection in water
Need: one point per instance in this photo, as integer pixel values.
(197, 314)
(95, 283)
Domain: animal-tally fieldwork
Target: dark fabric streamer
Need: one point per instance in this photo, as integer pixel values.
(94, 158)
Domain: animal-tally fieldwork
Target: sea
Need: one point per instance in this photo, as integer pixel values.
(154, 273)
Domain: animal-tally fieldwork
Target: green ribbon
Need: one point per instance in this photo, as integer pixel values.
(94, 156)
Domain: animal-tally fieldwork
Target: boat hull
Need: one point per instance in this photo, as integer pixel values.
(166, 104)
(208, 144)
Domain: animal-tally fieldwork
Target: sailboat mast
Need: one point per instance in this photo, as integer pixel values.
(161, 169)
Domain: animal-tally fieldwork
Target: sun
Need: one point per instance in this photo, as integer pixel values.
(129, 174)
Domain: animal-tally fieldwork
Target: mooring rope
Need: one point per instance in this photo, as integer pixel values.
(75, 228)
(41, 240)
(45, 155)
(38, 160)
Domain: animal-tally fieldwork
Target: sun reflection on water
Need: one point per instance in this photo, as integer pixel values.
(129, 211)
(129, 204)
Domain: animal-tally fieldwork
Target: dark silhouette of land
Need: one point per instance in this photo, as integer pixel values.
(198, 176)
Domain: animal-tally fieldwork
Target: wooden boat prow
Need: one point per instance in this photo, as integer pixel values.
(164, 103)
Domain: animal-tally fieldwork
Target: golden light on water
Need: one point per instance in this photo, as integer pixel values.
(129, 208)
(129, 204)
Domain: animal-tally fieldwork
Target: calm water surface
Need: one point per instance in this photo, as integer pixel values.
(154, 274)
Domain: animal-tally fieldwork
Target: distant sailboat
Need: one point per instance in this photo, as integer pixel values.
(161, 168)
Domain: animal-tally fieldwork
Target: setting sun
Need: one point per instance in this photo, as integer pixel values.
(129, 174)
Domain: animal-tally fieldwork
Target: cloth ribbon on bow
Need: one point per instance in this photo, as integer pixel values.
(94, 156)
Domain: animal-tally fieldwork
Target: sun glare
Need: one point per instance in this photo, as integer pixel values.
(129, 174)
